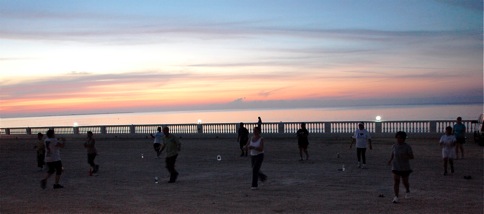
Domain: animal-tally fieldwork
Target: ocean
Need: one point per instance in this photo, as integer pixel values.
(360, 113)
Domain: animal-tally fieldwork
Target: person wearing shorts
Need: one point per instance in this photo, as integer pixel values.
(52, 158)
(400, 161)
(460, 135)
(448, 142)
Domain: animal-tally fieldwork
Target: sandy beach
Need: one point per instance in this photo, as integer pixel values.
(125, 182)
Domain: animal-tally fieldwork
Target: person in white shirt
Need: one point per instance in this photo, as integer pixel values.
(157, 142)
(361, 137)
(52, 158)
(447, 142)
(255, 145)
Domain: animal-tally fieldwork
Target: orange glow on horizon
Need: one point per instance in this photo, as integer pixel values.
(200, 90)
(128, 96)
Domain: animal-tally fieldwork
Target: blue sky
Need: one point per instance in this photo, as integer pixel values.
(61, 57)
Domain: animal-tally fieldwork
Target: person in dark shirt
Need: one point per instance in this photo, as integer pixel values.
(242, 138)
(171, 144)
(402, 153)
(302, 141)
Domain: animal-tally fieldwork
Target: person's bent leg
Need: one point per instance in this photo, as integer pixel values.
(358, 155)
(406, 184)
(50, 171)
(40, 161)
(57, 178)
(461, 145)
(445, 165)
(254, 172)
(396, 184)
(93, 165)
(261, 175)
(457, 151)
(242, 150)
(256, 165)
(451, 162)
(156, 147)
(58, 173)
(90, 160)
(170, 166)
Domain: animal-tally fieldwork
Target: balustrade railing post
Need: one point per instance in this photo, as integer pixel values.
(280, 128)
(378, 127)
(199, 128)
(76, 130)
(433, 127)
(327, 127)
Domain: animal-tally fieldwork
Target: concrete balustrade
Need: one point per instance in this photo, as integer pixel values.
(274, 129)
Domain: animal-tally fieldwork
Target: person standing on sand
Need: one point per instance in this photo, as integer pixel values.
(157, 142)
(90, 145)
(52, 158)
(242, 138)
(259, 123)
(447, 142)
(361, 136)
(40, 147)
(172, 146)
(302, 141)
(256, 147)
(400, 161)
(460, 135)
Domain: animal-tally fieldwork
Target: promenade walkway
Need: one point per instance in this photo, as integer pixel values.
(125, 183)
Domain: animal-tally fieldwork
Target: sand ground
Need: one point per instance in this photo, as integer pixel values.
(125, 182)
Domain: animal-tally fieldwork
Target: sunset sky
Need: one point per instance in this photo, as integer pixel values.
(73, 57)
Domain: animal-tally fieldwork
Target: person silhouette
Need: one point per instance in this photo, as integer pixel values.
(172, 145)
(302, 141)
(242, 138)
(90, 146)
